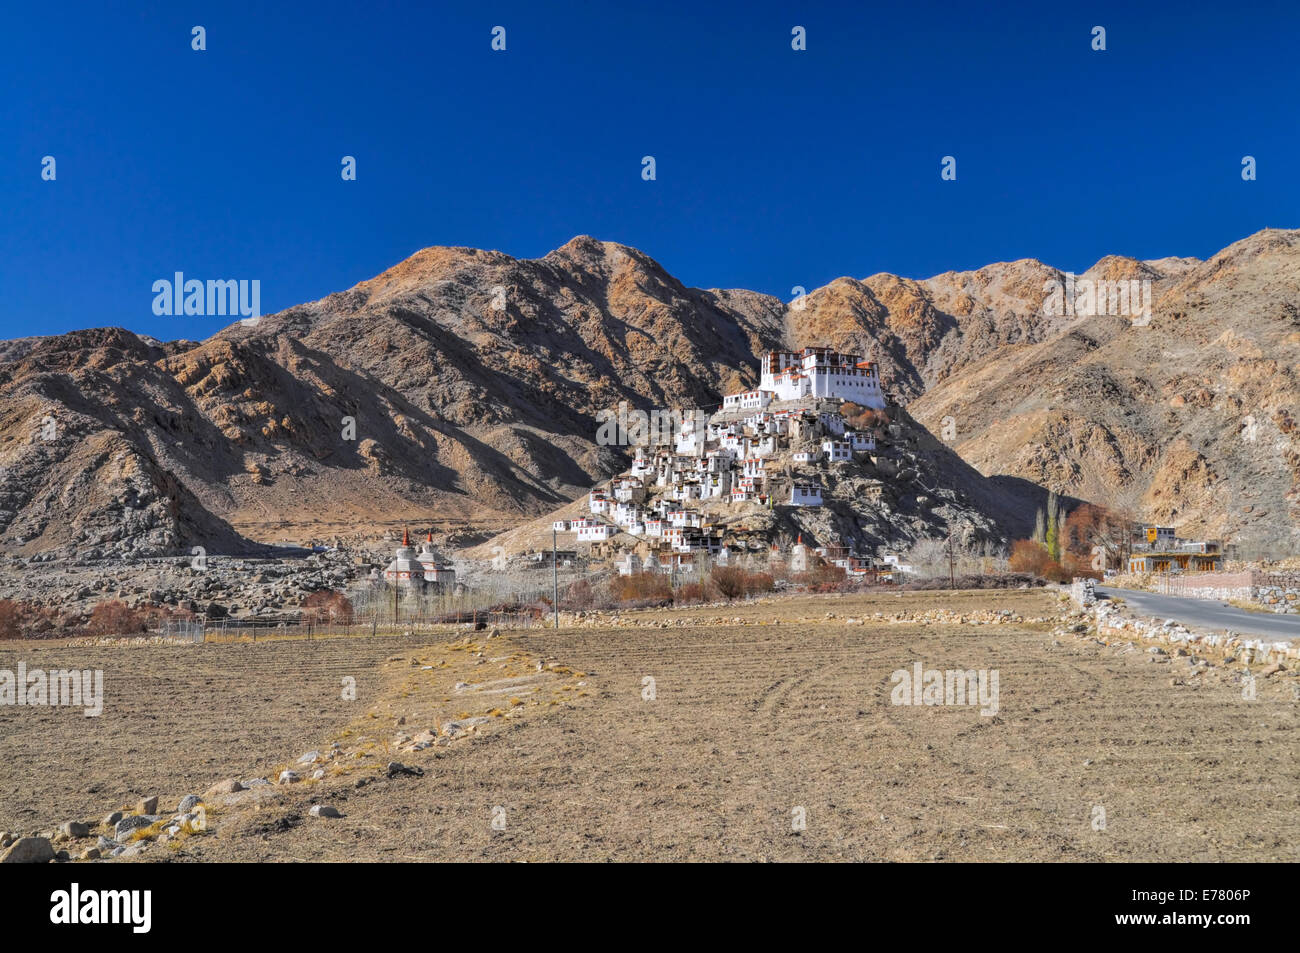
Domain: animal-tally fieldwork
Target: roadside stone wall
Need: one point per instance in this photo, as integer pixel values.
(1084, 592)
(1256, 587)
(1112, 623)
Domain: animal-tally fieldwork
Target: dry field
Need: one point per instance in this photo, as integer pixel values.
(777, 708)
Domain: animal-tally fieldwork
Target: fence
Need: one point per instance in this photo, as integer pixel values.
(183, 631)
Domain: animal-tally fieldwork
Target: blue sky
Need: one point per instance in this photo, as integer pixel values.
(775, 168)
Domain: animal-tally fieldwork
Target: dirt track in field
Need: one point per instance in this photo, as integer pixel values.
(749, 722)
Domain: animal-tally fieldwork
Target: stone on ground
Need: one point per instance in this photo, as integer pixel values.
(28, 850)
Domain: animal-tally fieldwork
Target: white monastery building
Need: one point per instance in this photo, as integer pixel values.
(820, 372)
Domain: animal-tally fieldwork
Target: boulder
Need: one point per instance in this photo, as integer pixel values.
(134, 823)
(189, 802)
(324, 810)
(147, 805)
(75, 829)
(288, 777)
(28, 850)
(228, 786)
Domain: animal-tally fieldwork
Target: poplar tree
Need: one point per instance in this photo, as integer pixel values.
(1053, 535)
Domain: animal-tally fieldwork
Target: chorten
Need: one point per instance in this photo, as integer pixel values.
(405, 569)
(435, 570)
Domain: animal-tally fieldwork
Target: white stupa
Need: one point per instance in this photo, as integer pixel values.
(406, 568)
(435, 570)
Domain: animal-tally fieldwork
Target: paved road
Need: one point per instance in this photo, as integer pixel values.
(1207, 614)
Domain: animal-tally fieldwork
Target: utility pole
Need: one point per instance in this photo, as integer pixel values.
(555, 574)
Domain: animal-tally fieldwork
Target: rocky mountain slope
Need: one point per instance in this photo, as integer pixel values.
(472, 381)
(1188, 420)
(459, 387)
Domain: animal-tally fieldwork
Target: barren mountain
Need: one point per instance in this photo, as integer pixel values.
(460, 388)
(1188, 420)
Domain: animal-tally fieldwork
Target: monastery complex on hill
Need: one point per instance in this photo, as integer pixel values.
(764, 447)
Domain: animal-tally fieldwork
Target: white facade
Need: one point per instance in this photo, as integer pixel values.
(435, 571)
(716, 485)
(597, 532)
(625, 514)
(799, 556)
(892, 563)
(862, 442)
(405, 568)
(683, 518)
(747, 400)
(629, 490)
(833, 424)
(688, 438)
(837, 451)
(821, 372)
(805, 494)
(642, 464)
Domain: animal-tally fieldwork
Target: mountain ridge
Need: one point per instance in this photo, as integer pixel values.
(473, 380)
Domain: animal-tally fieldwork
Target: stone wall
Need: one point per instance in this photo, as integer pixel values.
(1113, 622)
(1280, 594)
(1083, 592)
